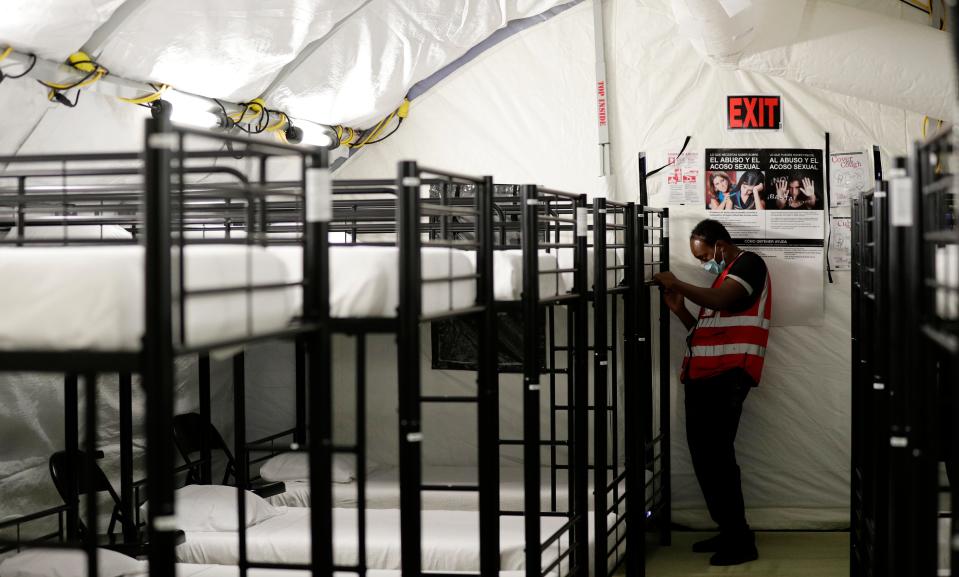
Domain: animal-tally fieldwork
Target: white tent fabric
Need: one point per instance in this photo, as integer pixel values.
(828, 45)
(536, 125)
(53, 28)
(330, 62)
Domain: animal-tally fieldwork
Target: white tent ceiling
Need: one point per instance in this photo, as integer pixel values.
(352, 62)
(329, 61)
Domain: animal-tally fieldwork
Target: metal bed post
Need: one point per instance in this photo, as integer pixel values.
(408, 362)
(299, 375)
(580, 394)
(665, 535)
(158, 347)
(925, 393)
(644, 402)
(487, 379)
(600, 404)
(635, 478)
(856, 512)
(239, 464)
(21, 212)
(127, 500)
(878, 330)
(89, 478)
(361, 453)
(901, 438)
(71, 436)
(318, 345)
(531, 380)
(206, 466)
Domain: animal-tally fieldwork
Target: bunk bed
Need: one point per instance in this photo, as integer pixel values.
(551, 259)
(870, 398)
(178, 296)
(930, 360)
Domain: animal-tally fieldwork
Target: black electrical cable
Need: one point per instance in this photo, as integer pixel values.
(96, 70)
(389, 134)
(62, 99)
(33, 63)
(681, 151)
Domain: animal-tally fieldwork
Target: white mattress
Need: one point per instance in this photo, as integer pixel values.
(365, 280)
(91, 298)
(450, 540)
(38, 565)
(382, 490)
(614, 257)
(198, 570)
(947, 274)
(508, 275)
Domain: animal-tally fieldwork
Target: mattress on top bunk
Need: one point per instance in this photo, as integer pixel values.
(365, 280)
(92, 297)
(383, 492)
(450, 540)
(614, 257)
(508, 275)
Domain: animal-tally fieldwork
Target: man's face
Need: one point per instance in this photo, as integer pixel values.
(702, 251)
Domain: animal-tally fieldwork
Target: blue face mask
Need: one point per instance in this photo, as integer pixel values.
(714, 267)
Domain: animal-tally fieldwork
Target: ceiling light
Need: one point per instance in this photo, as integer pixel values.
(316, 135)
(191, 110)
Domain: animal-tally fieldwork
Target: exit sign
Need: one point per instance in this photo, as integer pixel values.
(754, 113)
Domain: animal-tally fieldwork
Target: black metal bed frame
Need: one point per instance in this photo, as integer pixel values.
(159, 205)
(870, 398)
(546, 216)
(905, 352)
(929, 361)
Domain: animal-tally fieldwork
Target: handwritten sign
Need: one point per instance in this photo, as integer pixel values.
(848, 177)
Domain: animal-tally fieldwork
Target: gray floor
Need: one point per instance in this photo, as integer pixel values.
(781, 554)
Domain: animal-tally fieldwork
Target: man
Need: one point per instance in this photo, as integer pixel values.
(723, 361)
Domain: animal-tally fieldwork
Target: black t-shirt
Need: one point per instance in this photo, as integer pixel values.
(750, 271)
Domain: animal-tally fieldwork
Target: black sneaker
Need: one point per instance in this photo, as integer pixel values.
(710, 545)
(734, 555)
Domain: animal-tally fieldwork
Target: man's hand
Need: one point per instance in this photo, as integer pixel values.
(667, 280)
(674, 300)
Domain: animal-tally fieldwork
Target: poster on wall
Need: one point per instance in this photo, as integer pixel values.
(682, 177)
(840, 243)
(848, 177)
(772, 202)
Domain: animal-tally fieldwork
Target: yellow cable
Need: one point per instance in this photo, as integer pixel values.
(376, 130)
(82, 62)
(254, 107)
(7, 51)
(915, 4)
(402, 111)
(278, 125)
(149, 97)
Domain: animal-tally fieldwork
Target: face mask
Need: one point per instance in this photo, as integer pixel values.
(714, 267)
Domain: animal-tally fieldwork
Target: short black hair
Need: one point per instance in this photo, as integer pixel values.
(710, 231)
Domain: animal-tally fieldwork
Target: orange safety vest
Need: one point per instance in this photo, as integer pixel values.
(723, 341)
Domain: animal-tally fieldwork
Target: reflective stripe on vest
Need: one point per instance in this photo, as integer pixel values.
(724, 341)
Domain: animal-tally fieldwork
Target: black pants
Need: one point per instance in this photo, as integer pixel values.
(713, 408)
